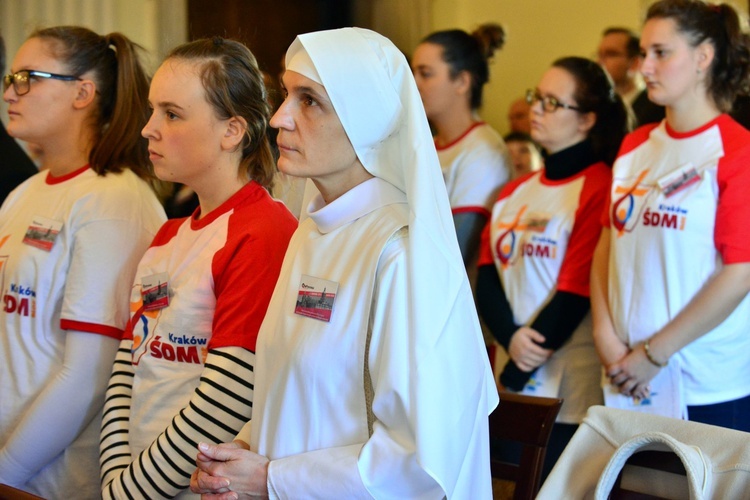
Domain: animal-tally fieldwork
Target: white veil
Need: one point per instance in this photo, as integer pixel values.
(374, 94)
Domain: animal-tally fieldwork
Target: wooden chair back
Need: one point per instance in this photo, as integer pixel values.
(11, 493)
(527, 420)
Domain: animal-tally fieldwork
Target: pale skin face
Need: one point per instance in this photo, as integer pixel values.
(441, 94)
(612, 55)
(524, 156)
(518, 116)
(54, 113)
(312, 141)
(562, 128)
(188, 142)
(674, 71)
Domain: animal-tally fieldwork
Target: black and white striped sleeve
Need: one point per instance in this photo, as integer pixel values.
(114, 444)
(219, 407)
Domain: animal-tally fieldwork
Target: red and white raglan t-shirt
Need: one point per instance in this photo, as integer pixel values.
(541, 239)
(69, 247)
(188, 351)
(474, 166)
(678, 212)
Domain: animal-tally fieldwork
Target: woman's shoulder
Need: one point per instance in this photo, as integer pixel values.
(483, 135)
(120, 195)
(637, 138)
(257, 209)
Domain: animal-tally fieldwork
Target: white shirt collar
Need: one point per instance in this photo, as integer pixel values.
(357, 202)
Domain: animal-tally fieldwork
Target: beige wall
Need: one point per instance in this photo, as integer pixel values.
(538, 32)
(157, 25)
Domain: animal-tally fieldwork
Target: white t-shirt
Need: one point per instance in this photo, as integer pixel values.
(218, 273)
(474, 166)
(69, 247)
(541, 239)
(678, 212)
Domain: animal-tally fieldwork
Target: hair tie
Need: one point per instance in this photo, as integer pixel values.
(715, 8)
(109, 43)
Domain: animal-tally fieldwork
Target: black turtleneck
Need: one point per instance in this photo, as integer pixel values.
(564, 312)
(568, 162)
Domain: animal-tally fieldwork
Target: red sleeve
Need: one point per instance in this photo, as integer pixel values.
(245, 272)
(629, 143)
(732, 229)
(576, 267)
(485, 252)
(604, 219)
(167, 231)
(485, 249)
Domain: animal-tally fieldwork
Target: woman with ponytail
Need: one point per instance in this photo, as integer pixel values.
(70, 237)
(671, 272)
(185, 369)
(535, 254)
(451, 68)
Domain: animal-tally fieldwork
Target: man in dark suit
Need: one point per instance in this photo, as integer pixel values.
(619, 54)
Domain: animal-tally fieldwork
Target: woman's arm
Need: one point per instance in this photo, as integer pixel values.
(708, 308)
(532, 346)
(469, 227)
(493, 305)
(219, 407)
(62, 410)
(114, 441)
(608, 345)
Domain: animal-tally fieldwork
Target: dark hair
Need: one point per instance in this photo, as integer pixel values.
(470, 53)
(522, 137)
(518, 137)
(122, 94)
(595, 94)
(2, 55)
(718, 24)
(632, 46)
(234, 87)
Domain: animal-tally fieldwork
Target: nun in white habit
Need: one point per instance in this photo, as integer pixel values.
(372, 379)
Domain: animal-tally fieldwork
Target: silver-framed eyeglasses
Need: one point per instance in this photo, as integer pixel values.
(21, 80)
(549, 103)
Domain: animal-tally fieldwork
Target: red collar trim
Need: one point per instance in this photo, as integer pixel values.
(690, 133)
(51, 179)
(251, 189)
(472, 127)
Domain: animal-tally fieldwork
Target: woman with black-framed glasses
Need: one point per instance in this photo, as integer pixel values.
(535, 255)
(70, 238)
(21, 80)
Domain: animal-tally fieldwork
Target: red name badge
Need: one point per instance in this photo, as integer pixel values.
(315, 298)
(42, 232)
(678, 180)
(155, 291)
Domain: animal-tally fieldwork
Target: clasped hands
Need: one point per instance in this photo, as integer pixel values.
(632, 371)
(229, 471)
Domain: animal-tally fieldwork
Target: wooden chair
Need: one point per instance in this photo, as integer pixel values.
(11, 493)
(663, 461)
(527, 420)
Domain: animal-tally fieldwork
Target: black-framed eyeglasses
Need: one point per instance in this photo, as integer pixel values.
(21, 80)
(549, 103)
